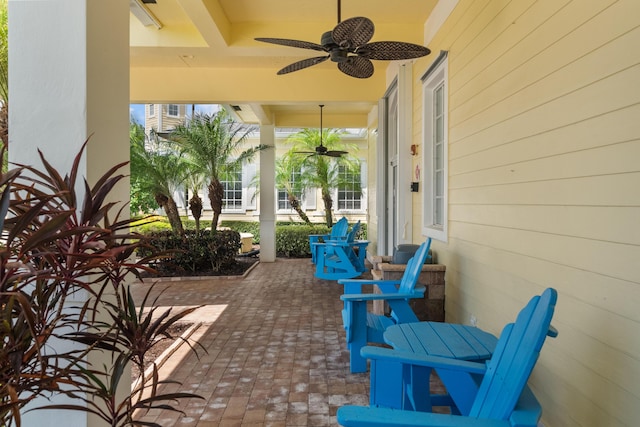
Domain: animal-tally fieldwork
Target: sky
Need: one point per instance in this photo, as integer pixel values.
(137, 110)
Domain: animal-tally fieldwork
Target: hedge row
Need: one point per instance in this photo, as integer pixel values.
(213, 253)
(193, 253)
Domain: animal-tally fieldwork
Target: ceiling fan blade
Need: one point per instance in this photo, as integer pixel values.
(356, 66)
(391, 51)
(353, 32)
(300, 65)
(291, 43)
(335, 153)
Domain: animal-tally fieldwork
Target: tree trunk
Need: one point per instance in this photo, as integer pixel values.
(328, 205)
(295, 204)
(171, 209)
(195, 206)
(216, 194)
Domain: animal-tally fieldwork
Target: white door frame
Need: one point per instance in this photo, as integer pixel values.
(395, 217)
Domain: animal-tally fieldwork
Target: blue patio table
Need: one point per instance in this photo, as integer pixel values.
(407, 387)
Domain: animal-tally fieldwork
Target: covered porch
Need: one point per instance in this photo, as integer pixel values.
(539, 176)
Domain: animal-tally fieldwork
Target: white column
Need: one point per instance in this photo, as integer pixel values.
(69, 81)
(268, 194)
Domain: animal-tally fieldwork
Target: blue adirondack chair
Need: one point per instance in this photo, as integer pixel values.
(341, 258)
(363, 327)
(338, 231)
(502, 398)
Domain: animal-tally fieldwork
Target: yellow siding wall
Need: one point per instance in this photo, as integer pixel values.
(544, 189)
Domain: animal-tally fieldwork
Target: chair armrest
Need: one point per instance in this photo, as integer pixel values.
(369, 282)
(337, 242)
(361, 416)
(314, 237)
(409, 358)
(354, 286)
(417, 293)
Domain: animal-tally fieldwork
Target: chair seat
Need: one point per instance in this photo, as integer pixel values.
(379, 322)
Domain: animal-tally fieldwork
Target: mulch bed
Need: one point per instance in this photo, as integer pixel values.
(175, 330)
(238, 268)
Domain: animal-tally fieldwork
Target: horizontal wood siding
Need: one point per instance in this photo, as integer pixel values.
(544, 189)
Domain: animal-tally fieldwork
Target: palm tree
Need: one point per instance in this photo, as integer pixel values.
(214, 143)
(323, 172)
(286, 167)
(159, 171)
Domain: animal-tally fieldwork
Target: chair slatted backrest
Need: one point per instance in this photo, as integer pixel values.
(351, 237)
(339, 229)
(414, 267)
(514, 358)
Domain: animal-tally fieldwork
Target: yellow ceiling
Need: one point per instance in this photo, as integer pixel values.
(205, 52)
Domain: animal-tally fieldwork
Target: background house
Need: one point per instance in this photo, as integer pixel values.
(241, 195)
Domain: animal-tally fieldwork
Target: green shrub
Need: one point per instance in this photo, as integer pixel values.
(292, 241)
(194, 253)
(252, 227)
(153, 227)
(362, 234)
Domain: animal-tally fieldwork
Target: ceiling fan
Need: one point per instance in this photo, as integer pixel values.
(348, 45)
(321, 150)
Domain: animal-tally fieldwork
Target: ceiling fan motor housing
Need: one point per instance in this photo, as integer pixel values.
(337, 54)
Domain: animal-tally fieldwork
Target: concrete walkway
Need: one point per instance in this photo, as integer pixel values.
(276, 351)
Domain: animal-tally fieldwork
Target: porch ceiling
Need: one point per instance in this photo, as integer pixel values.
(205, 52)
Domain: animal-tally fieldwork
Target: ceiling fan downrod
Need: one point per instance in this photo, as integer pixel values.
(321, 107)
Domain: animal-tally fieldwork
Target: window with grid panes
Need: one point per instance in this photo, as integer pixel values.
(232, 185)
(349, 191)
(172, 110)
(435, 167)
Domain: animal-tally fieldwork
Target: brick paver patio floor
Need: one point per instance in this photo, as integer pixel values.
(276, 352)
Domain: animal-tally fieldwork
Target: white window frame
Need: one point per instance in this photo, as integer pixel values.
(224, 183)
(363, 193)
(152, 110)
(435, 78)
(177, 107)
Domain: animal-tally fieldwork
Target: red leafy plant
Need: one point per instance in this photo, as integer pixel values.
(59, 247)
